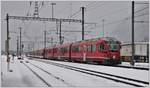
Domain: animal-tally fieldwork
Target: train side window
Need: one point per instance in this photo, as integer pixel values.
(76, 49)
(101, 47)
(84, 48)
(93, 48)
(80, 49)
(89, 48)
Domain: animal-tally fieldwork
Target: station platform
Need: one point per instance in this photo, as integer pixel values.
(20, 75)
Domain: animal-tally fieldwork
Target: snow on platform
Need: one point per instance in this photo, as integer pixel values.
(20, 77)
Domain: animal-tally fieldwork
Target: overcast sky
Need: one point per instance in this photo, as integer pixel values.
(117, 16)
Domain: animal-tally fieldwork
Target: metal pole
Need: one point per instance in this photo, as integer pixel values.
(8, 59)
(20, 42)
(28, 47)
(44, 53)
(82, 22)
(22, 46)
(33, 48)
(53, 8)
(103, 26)
(147, 53)
(133, 48)
(60, 41)
(52, 41)
(17, 45)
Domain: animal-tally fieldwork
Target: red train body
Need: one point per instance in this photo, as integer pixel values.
(102, 50)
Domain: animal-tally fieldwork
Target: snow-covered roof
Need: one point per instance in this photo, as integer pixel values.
(136, 43)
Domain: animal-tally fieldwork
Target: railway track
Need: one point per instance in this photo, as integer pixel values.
(49, 85)
(50, 74)
(125, 80)
(138, 68)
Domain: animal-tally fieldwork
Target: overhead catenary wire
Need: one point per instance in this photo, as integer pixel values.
(28, 12)
(114, 12)
(92, 2)
(77, 12)
(120, 10)
(141, 9)
(41, 5)
(88, 9)
(142, 14)
(118, 21)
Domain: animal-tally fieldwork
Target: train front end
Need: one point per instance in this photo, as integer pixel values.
(113, 51)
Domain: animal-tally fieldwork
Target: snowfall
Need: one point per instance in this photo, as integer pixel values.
(59, 77)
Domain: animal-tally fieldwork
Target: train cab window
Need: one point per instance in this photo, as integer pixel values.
(101, 47)
(113, 45)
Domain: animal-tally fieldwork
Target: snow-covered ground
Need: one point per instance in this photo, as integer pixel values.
(61, 77)
(20, 77)
(142, 75)
(77, 79)
(137, 64)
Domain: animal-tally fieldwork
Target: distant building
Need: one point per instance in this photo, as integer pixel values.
(141, 52)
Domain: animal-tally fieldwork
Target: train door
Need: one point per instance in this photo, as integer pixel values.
(102, 50)
(84, 53)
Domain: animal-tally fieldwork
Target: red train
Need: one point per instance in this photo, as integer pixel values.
(102, 50)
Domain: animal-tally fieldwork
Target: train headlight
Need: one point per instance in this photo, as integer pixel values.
(114, 57)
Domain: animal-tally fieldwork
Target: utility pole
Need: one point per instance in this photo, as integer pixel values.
(103, 26)
(44, 52)
(20, 42)
(22, 46)
(57, 27)
(60, 40)
(33, 47)
(133, 48)
(17, 45)
(7, 45)
(52, 41)
(53, 9)
(82, 22)
(28, 47)
(38, 45)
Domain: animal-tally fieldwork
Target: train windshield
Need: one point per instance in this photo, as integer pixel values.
(113, 45)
